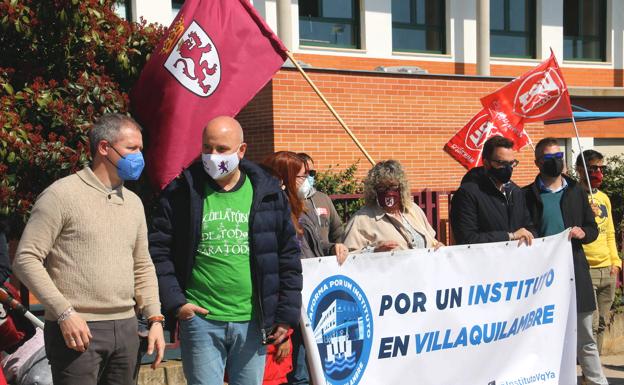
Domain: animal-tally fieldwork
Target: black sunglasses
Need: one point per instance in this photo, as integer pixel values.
(595, 168)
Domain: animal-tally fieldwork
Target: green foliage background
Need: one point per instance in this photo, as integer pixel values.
(63, 63)
(336, 180)
(613, 186)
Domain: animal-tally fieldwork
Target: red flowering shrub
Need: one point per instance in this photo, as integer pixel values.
(63, 63)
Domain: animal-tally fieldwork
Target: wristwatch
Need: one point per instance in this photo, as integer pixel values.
(156, 319)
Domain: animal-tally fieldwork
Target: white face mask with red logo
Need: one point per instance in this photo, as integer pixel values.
(219, 165)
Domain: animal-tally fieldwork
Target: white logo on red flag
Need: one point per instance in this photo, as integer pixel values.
(477, 131)
(536, 99)
(194, 61)
(538, 95)
(467, 144)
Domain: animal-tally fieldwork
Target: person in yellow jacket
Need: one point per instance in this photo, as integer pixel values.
(602, 255)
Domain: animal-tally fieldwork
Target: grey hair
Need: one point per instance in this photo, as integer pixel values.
(384, 173)
(107, 128)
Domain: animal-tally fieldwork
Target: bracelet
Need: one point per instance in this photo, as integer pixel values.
(155, 319)
(65, 315)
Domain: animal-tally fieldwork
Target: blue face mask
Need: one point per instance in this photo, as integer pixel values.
(130, 166)
(311, 180)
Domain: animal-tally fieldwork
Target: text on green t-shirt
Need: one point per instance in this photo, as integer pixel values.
(221, 277)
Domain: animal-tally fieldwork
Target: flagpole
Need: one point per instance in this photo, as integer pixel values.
(329, 106)
(578, 139)
(487, 136)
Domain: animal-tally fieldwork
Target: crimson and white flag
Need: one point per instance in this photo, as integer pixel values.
(215, 57)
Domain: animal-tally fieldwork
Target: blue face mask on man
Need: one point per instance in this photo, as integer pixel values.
(129, 167)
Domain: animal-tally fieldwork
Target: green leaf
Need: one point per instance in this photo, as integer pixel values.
(8, 88)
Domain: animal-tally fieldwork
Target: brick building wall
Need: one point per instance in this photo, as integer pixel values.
(404, 117)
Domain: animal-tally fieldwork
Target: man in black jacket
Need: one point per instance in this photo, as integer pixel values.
(488, 206)
(557, 202)
(227, 260)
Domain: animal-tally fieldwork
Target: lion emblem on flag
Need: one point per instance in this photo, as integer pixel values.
(195, 62)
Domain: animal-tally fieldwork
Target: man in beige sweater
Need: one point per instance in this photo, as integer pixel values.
(84, 255)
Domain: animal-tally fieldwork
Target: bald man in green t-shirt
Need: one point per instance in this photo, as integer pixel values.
(227, 259)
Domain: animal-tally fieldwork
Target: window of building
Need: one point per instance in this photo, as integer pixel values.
(175, 7)
(512, 28)
(584, 30)
(123, 9)
(418, 26)
(329, 23)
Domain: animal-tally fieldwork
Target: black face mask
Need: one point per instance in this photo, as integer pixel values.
(502, 175)
(552, 167)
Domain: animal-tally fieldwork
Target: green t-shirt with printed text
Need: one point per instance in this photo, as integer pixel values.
(221, 277)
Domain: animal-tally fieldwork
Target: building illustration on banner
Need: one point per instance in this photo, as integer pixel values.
(342, 326)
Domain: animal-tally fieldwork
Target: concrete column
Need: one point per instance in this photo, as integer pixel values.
(617, 53)
(483, 37)
(284, 23)
(463, 14)
(549, 24)
(154, 11)
(376, 23)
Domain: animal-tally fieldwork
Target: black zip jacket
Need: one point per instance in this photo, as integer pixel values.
(576, 211)
(274, 251)
(480, 213)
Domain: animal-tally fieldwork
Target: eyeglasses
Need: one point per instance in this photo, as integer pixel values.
(556, 155)
(595, 168)
(312, 173)
(383, 189)
(304, 176)
(503, 163)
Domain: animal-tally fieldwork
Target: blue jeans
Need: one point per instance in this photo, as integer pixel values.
(208, 347)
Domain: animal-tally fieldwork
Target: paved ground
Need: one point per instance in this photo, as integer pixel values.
(613, 368)
(170, 373)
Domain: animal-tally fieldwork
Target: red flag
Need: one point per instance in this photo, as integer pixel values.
(216, 55)
(467, 144)
(538, 95)
(511, 131)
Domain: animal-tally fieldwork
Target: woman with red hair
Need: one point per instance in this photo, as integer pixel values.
(292, 171)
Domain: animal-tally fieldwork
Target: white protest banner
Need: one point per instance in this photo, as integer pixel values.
(489, 314)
